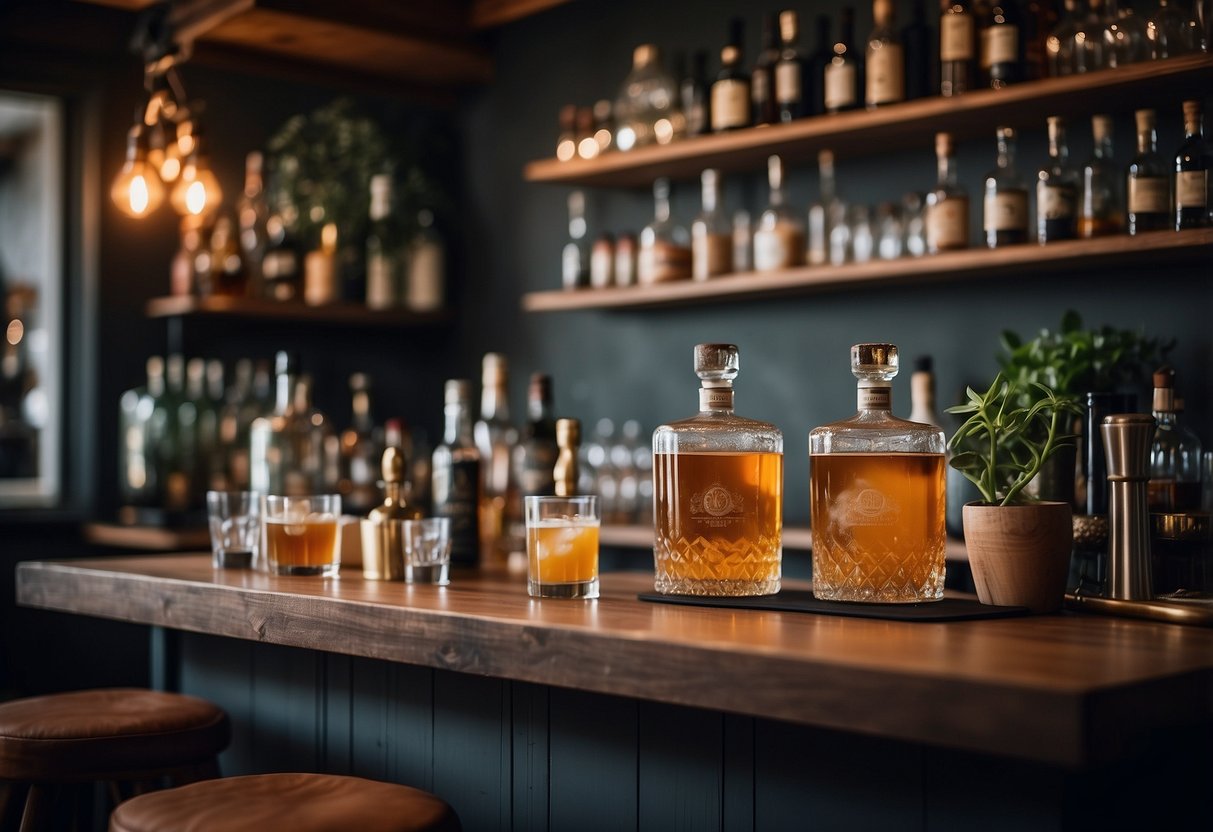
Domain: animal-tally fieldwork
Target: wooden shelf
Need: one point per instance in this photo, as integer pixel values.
(147, 538)
(794, 540)
(342, 314)
(912, 124)
(1153, 249)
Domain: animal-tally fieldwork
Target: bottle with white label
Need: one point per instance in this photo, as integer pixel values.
(711, 234)
(841, 77)
(957, 47)
(948, 205)
(789, 70)
(575, 260)
(826, 212)
(885, 65)
(1005, 214)
(779, 239)
(383, 255)
(1056, 190)
(1002, 45)
(1148, 181)
(1193, 181)
(717, 492)
(730, 105)
(1102, 205)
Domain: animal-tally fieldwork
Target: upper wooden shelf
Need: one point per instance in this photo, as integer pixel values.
(1145, 249)
(912, 124)
(175, 306)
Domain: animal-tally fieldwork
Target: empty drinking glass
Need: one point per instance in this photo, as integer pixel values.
(234, 518)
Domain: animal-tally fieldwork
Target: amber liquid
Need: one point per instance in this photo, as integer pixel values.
(302, 548)
(878, 527)
(718, 523)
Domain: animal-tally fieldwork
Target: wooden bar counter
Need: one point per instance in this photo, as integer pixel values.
(1064, 697)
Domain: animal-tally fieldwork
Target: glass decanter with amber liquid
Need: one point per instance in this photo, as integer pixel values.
(877, 490)
(717, 492)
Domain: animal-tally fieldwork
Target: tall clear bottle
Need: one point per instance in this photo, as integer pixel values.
(1193, 180)
(779, 238)
(1174, 453)
(730, 96)
(646, 110)
(711, 233)
(575, 259)
(947, 208)
(1169, 32)
(826, 212)
(1006, 197)
(455, 474)
(1124, 36)
(361, 450)
(877, 492)
(496, 438)
(664, 251)
(1059, 45)
(384, 255)
(1056, 190)
(885, 63)
(1148, 181)
(790, 70)
(762, 78)
(1102, 204)
(138, 482)
(286, 454)
(718, 492)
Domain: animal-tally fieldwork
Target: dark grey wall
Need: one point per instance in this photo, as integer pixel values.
(794, 351)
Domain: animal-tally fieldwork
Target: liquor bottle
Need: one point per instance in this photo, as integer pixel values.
(425, 289)
(602, 261)
(1039, 19)
(1193, 182)
(280, 269)
(320, 269)
(383, 256)
(890, 231)
(646, 109)
(202, 445)
(1057, 190)
(233, 431)
(762, 78)
(790, 70)
(286, 451)
(1059, 46)
(455, 474)
(1005, 216)
(565, 474)
(496, 437)
(138, 468)
(1174, 453)
(566, 139)
(1124, 36)
(604, 125)
(252, 214)
(227, 276)
(730, 107)
(826, 212)
(877, 496)
(625, 259)
(175, 467)
(535, 454)
(957, 44)
(1148, 181)
(361, 450)
(1002, 45)
(622, 455)
(841, 76)
(1087, 52)
(1169, 32)
(718, 492)
(779, 238)
(815, 67)
(575, 259)
(885, 67)
(916, 37)
(1102, 207)
(382, 548)
(664, 254)
(922, 393)
(694, 97)
(711, 236)
(947, 211)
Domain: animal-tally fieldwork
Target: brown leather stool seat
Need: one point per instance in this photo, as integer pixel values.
(294, 802)
(119, 734)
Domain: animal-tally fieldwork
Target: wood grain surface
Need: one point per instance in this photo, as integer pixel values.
(1065, 689)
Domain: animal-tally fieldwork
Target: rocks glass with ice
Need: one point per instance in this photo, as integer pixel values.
(303, 534)
(562, 547)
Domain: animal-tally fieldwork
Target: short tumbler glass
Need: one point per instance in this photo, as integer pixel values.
(427, 550)
(562, 547)
(303, 534)
(234, 518)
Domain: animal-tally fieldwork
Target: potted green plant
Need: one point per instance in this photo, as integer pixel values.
(1019, 547)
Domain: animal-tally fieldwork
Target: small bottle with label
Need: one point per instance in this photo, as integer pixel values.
(711, 236)
(1102, 206)
(841, 77)
(957, 39)
(664, 254)
(948, 205)
(877, 490)
(1193, 182)
(730, 100)
(789, 70)
(779, 239)
(455, 474)
(1002, 45)
(827, 212)
(718, 492)
(1005, 216)
(885, 66)
(1148, 181)
(575, 259)
(1056, 190)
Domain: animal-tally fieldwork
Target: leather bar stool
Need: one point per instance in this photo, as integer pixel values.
(295, 802)
(51, 746)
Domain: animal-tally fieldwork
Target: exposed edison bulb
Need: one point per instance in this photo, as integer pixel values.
(137, 190)
(197, 191)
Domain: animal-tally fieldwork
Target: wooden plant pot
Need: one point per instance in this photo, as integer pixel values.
(1020, 555)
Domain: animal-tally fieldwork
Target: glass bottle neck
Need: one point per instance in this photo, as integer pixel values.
(1103, 148)
(458, 427)
(1058, 151)
(946, 170)
(711, 198)
(362, 409)
(494, 402)
(283, 393)
(1147, 141)
(874, 397)
(661, 208)
(716, 397)
(539, 409)
(1192, 126)
(1006, 154)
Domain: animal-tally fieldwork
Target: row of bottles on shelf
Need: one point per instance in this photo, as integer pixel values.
(980, 43)
(1101, 197)
(254, 254)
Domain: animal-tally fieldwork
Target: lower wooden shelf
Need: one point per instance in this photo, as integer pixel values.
(1153, 249)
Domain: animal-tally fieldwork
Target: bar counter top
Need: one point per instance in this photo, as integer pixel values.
(1068, 689)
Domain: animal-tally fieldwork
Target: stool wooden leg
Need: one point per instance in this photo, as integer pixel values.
(39, 808)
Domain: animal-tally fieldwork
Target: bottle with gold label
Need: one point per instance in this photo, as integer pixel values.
(382, 548)
(718, 492)
(877, 491)
(566, 472)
